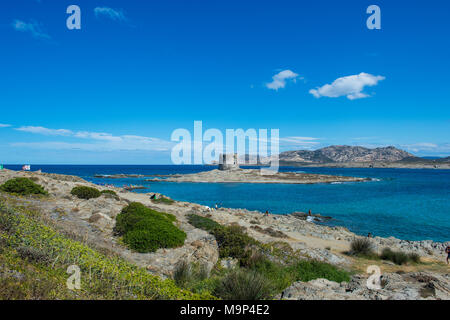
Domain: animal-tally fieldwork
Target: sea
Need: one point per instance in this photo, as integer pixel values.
(410, 204)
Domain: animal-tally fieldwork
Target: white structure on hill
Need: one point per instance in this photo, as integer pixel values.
(228, 161)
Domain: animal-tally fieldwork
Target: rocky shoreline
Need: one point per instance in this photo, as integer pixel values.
(94, 219)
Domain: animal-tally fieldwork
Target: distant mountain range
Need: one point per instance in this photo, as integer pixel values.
(350, 157)
(342, 154)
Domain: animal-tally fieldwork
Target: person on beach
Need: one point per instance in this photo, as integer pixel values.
(267, 213)
(309, 213)
(447, 251)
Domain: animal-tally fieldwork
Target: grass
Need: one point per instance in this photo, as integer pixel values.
(282, 276)
(187, 274)
(33, 250)
(244, 285)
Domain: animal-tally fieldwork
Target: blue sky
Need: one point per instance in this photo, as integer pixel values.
(114, 91)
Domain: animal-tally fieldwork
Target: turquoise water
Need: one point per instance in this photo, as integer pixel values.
(411, 204)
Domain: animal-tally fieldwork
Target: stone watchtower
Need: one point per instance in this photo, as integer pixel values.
(228, 162)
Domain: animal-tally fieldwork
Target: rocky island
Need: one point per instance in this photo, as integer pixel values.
(255, 176)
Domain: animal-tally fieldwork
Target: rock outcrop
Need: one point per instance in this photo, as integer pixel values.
(394, 286)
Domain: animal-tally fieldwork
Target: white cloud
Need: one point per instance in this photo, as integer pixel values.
(45, 131)
(3, 125)
(349, 86)
(32, 27)
(96, 136)
(281, 78)
(113, 14)
(97, 141)
(422, 146)
(300, 140)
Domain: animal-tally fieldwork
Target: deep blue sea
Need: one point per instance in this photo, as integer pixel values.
(410, 204)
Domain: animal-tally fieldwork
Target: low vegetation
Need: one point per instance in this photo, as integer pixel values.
(163, 200)
(242, 284)
(147, 230)
(187, 273)
(232, 241)
(23, 187)
(203, 223)
(263, 270)
(110, 194)
(361, 247)
(83, 192)
(399, 257)
(30, 250)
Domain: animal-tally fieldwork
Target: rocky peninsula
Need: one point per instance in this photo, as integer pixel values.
(94, 220)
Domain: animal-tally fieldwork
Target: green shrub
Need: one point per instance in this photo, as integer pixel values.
(22, 186)
(234, 242)
(361, 246)
(203, 223)
(397, 257)
(244, 285)
(83, 192)
(147, 230)
(135, 213)
(142, 241)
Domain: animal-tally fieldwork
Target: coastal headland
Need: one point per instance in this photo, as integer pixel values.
(94, 220)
